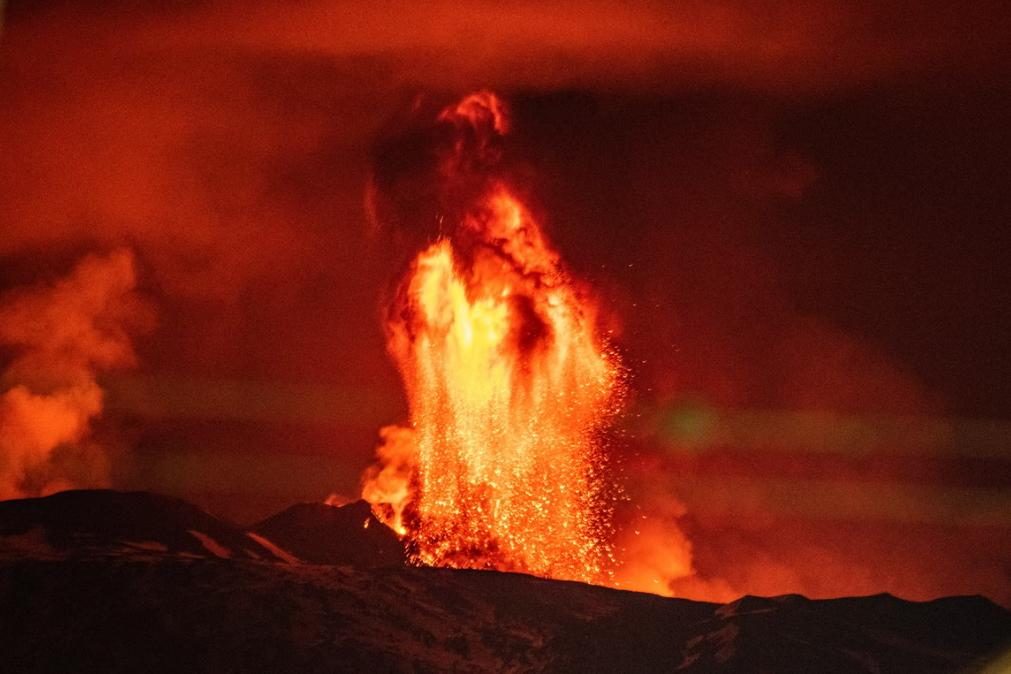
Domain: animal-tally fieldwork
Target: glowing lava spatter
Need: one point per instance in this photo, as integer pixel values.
(508, 386)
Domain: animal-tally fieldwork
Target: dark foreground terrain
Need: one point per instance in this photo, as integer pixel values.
(140, 597)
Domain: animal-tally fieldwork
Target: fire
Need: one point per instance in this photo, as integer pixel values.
(508, 386)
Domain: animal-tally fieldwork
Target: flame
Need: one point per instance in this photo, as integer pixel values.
(508, 387)
(387, 485)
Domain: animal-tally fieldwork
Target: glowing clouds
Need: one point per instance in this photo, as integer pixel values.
(61, 336)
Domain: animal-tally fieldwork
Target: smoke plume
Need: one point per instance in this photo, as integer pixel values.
(61, 336)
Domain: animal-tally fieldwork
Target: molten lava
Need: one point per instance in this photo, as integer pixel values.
(508, 386)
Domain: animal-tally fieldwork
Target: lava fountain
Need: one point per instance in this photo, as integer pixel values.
(509, 385)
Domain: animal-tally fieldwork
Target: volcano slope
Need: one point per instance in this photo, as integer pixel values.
(154, 608)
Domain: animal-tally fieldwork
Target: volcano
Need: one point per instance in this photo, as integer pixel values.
(323, 534)
(133, 581)
(102, 522)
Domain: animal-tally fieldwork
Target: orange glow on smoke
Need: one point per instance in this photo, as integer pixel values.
(62, 335)
(472, 109)
(508, 387)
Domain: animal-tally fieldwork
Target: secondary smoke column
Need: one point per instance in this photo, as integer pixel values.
(60, 336)
(508, 384)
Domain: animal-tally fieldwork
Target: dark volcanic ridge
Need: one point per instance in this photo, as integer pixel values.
(118, 582)
(323, 534)
(104, 522)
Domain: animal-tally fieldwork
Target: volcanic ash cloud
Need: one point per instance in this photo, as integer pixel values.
(59, 337)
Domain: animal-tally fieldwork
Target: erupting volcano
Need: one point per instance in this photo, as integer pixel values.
(509, 385)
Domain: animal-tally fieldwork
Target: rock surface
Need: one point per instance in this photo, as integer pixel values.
(92, 596)
(106, 522)
(324, 534)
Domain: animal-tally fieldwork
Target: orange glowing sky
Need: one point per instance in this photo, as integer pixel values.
(792, 217)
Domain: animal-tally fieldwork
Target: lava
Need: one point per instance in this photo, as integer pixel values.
(508, 383)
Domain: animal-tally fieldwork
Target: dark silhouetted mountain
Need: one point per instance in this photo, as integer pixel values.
(324, 534)
(101, 521)
(139, 612)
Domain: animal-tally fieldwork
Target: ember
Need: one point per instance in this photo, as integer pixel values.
(508, 384)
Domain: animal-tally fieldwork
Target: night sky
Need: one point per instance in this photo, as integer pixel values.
(794, 216)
